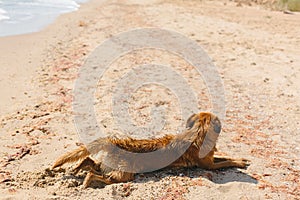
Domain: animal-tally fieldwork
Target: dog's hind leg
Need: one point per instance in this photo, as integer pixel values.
(120, 176)
(112, 177)
(94, 177)
(87, 164)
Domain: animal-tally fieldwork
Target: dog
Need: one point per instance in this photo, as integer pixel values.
(194, 147)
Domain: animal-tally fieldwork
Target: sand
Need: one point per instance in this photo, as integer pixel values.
(256, 51)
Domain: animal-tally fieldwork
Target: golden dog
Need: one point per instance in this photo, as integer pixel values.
(194, 147)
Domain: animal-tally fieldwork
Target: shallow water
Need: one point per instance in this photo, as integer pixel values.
(26, 16)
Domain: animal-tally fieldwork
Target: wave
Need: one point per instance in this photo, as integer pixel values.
(3, 15)
(53, 4)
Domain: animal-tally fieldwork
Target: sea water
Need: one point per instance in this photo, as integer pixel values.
(26, 16)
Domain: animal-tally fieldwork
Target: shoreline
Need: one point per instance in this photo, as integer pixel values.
(22, 57)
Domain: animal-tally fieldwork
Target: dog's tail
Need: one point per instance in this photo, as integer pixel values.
(73, 156)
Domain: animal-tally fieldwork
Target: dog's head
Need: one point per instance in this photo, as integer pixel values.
(206, 120)
(208, 127)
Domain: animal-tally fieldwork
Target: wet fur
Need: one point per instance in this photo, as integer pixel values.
(202, 130)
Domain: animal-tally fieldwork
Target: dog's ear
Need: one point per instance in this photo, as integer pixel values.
(216, 124)
(191, 121)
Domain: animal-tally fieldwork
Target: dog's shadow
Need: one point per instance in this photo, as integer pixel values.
(221, 176)
(232, 175)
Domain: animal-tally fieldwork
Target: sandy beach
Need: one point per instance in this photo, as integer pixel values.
(256, 52)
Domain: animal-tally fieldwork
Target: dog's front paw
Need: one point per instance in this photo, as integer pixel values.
(242, 163)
